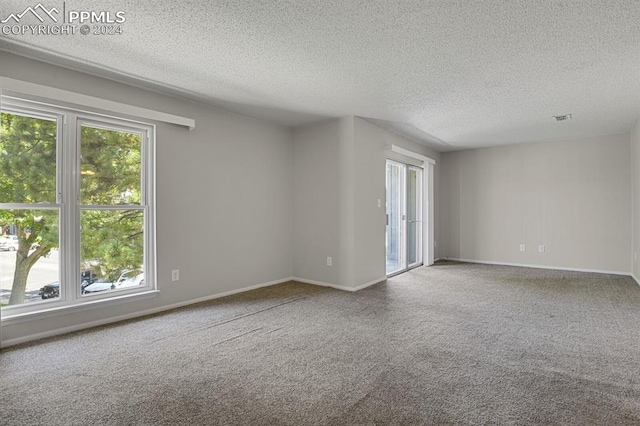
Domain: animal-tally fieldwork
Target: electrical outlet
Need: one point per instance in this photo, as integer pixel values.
(522, 247)
(329, 261)
(175, 275)
(541, 249)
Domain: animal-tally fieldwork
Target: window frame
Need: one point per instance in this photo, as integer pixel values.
(70, 120)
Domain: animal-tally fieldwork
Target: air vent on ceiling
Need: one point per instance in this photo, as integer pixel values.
(564, 117)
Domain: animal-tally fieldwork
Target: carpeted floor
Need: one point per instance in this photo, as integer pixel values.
(449, 344)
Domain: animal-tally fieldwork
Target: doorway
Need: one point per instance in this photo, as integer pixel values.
(404, 217)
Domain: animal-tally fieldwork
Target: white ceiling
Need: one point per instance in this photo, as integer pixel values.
(451, 73)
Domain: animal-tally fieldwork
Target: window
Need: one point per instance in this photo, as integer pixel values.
(76, 207)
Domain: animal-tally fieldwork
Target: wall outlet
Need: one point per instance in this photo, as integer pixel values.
(329, 261)
(379, 203)
(522, 247)
(175, 275)
(541, 249)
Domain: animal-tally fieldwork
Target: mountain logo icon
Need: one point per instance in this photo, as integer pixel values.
(38, 11)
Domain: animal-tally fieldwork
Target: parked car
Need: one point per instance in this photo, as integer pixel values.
(128, 278)
(50, 290)
(53, 290)
(87, 278)
(9, 243)
(131, 278)
(98, 285)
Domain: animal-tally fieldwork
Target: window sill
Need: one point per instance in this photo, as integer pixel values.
(72, 309)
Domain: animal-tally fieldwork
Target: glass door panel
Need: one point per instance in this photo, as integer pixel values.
(404, 217)
(414, 216)
(396, 174)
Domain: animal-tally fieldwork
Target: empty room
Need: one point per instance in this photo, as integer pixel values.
(320, 213)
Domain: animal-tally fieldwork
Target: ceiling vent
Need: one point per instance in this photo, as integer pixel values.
(562, 117)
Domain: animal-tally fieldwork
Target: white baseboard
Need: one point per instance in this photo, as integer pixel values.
(85, 325)
(526, 265)
(322, 284)
(370, 283)
(77, 327)
(635, 278)
(339, 287)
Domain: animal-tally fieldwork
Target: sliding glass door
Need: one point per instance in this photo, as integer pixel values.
(404, 217)
(396, 175)
(414, 216)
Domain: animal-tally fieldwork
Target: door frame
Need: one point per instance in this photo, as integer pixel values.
(419, 246)
(403, 191)
(400, 199)
(428, 187)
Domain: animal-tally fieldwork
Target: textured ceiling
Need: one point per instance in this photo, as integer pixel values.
(451, 74)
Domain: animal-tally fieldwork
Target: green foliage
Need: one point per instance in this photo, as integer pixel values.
(27, 160)
(28, 175)
(111, 240)
(37, 227)
(110, 167)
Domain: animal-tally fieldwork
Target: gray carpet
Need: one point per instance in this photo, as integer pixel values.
(449, 344)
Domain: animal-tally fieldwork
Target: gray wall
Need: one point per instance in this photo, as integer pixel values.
(339, 176)
(571, 196)
(224, 197)
(316, 211)
(635, 183)
(371, 144)
(241, 202)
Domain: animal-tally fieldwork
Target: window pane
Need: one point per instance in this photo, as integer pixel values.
(29, 265)
(110, 166)
(27, 159)
(414, 217)
(395, 237)
(112, 246)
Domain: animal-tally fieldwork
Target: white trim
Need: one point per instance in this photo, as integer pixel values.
(421, 244)
(428, 201)
(403, 151)
(525, 265)
(370, 283)
(43, 314)
(322, 284)
(429, 231)
(339, 287)
(68, 186)
(635, 278)
(93, 102)
(137, 314)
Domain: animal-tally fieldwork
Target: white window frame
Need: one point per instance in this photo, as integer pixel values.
(69, 123)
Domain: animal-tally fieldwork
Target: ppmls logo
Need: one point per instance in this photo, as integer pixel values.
(33, 11)
(47, 21)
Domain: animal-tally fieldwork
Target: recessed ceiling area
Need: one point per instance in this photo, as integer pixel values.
(450, 74)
